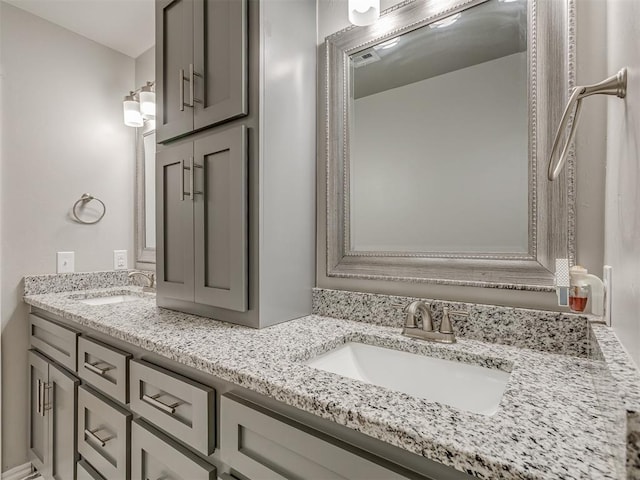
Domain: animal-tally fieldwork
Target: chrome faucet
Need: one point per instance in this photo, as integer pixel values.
(151, 280)
(422, 326)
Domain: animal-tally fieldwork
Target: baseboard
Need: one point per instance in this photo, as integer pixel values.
(18, 473)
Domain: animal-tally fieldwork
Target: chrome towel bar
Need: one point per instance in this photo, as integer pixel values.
(615, 85)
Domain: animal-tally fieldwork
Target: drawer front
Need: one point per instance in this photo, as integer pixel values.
(178, 405)
(153, 455)
(54, 340)
(104, 367)
(87, 472)
(261, 444)
(103, 434)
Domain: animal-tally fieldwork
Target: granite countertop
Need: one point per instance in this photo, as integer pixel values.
(551, 423)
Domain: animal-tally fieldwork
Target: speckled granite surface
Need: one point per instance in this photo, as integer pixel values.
(553, 332)
(627, 377)
(64, 282)
(551, 423)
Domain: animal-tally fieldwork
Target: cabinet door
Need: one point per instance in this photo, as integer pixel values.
(174, 56)
(62, 399)
(221, 220)
(220, 60)
(38, 421)
(174, 222)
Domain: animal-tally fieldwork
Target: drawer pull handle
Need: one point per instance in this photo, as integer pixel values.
(96, 369)
(96, 438)
(153, 401)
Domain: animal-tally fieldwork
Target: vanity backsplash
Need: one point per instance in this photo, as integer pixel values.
(553, 332)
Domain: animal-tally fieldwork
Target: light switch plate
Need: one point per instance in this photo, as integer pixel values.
(120, 260)
(65, 262)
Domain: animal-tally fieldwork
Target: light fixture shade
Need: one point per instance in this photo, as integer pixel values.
(132, 115)
(148, 102)
(364, 12)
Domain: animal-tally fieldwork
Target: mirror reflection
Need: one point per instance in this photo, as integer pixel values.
(149, 142)
(439, 148)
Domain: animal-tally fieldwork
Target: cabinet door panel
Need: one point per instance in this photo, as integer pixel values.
(178, 405)
(63, 396)
(104, 367)
(221, 220)
(38, 420)
(174, 54)
(156, 456)
(55, 341)
(261, 444)
(103, 434)
(174, 222)
(220, 57)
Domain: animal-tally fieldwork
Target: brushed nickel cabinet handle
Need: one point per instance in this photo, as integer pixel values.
(192, 86)
(181, 89)
(92, 435)
(39, 408)
(154, 402)
(96, 369)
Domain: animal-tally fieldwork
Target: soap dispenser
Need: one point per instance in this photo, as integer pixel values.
(583, 286)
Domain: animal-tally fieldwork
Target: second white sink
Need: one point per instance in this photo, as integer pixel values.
(460, 385)
(109, 299)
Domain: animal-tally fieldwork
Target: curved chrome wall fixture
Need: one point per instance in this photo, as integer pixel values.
(84, 199)
(615, 85)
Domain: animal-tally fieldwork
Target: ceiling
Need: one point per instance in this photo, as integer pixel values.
(124, 25)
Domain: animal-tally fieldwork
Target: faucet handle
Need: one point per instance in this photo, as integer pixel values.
(445, 325)
(400, 306)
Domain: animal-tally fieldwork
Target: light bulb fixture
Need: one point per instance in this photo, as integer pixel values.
(364, 12)
(148, 102)
(132, 115)
(140, 106)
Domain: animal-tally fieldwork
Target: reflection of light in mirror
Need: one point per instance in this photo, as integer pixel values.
(388, 44)
(446, 22)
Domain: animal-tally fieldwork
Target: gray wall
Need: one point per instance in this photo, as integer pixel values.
(622, 233)
(590, 149)
(63, 135)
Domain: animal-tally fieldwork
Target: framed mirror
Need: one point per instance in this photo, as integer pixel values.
(145, 217)
(435, 126)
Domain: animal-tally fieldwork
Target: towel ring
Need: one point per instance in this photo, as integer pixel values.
(615, 85)
(84, 199)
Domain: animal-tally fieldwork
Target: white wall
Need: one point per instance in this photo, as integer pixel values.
(62, 135)
(418, 185)
(622, 233)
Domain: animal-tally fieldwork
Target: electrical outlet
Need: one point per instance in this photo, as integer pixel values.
(65, 262)
(120, 260)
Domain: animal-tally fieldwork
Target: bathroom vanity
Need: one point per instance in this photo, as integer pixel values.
(186, 394)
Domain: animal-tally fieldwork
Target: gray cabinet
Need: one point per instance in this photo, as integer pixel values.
(104, 367)
(201, 190)
(156, 456)
(261, 444)
(103, 434)
(54, 340)
(201, 64)
(178, 405)
(52, 419)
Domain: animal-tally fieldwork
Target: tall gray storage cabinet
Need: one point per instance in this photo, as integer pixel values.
(201, 64)
(235, 167)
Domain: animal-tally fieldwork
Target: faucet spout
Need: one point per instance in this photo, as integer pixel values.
(150, 277)
(419, 307)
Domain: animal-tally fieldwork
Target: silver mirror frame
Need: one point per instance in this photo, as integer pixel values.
(551, 59)
(145, 257)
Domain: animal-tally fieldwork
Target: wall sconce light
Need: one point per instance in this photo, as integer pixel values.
(148, 102)
(364, 12)
(140, 105)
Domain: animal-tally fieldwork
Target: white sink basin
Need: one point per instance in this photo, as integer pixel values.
(460, 385)
(109, 299)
